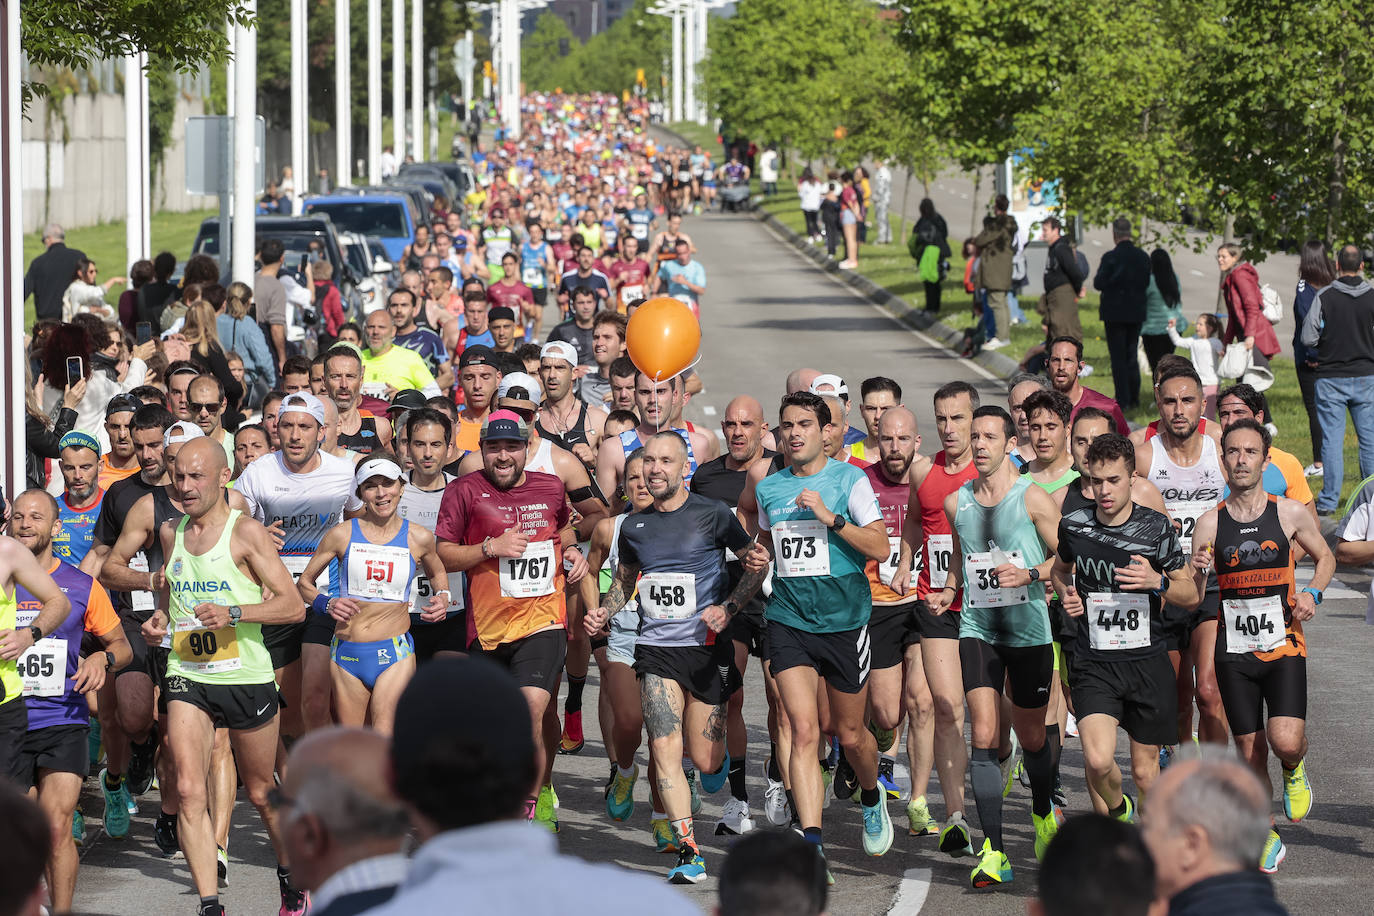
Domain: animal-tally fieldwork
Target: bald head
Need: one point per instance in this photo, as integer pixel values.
(801, 379)
(898, 441)
(205, 452)
(743, 427)
(834, 433)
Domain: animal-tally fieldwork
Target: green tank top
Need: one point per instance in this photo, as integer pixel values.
(232, 655)
(991, 613)
(1062, 481)
(10, 680)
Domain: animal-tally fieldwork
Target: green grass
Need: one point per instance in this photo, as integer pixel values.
(891, 267)
(696, 134)
(104, 244)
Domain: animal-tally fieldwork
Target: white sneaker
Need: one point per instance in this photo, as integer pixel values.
(1313, 470)
(734, 818)
(995, 343)
(1071, 726)
(775, 801)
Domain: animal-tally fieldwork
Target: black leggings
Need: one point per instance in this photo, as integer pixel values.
(813, 224)
(1307, 383)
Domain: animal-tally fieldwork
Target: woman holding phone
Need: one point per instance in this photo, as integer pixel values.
(89, 350)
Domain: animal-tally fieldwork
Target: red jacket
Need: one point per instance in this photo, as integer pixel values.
(330, 306)
(1244, 310)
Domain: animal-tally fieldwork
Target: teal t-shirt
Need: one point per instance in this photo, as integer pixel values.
(819, 584)
(1009, 526)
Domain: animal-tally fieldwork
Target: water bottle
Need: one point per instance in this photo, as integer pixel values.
(999, 557)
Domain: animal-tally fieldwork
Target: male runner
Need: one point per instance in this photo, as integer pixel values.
(672, 556)
(120, 462)
(655, 403)
(1117, 563)
(536, 267)
(1019, 387)
(219, 672)
(629, 273)
(1004, 534)
(819, 521)
(387, 366)
(639, 221)
(1184, 464)
(359, 430)
(1283, 475)
(577, 329)
(205, 406)
(563, 418)
(79, 506)
(53, 758)
(404, 307)
(608, 345)
(879, 395)
(502, 322)
(1261, 653)
(1065, 363)
(584, 274)
(479, 374)
(623, 376)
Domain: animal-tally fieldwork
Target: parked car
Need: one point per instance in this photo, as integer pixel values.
(429, 174)
(368, 258)
(388, 217)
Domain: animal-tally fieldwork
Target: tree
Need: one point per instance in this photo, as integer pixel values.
(547, 54)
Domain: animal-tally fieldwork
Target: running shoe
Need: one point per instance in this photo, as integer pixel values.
(690, 868)
(877, 828)
(610, 781)
(887, 777)
(130, 803)
(165, 834)
(714, 782)
(993, 867)
(663, 835)
(1127, 816)
(1166, 757)
(572, 741)
(544, 814)
(1045, 829)
(919, 821)
(1274, 853)
(94, 748)
(1057, 795)
(141, 769)
(691, 773)
(846, 781)
(116, 815)
(620, 804)
(829, 878)
(1010, 765)
(1314, 470)
(1071, 726)
(293, 902)
(222, 865)
(1297, 792)
(78, 828)
(734, 818)
(775, 801)
(954, 839)
(995, 343)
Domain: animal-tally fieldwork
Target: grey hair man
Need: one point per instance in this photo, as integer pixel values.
(1020, 386)
(51, 272)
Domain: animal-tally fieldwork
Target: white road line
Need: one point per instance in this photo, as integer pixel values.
(709, 410)
(911, 892)
(1096, 242)
(1195, 272)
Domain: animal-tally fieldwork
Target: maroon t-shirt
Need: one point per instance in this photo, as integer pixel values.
(1099, 400)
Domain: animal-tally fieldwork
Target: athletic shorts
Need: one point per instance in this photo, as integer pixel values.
(62, 748)
(367, 660)
(944, 626)
(706, 672)
(1138, 693)
(141, 663)
(1251, 687)
(283, 641)
(447, 635)
(541, 296)
(14, 723)
(891, 628)
(239, 707)
(620, 644)
(1027, 669)
(535, 661)
(1180, 624)
(843, 658)
(157, 670)
(318, 629)
(747, 628)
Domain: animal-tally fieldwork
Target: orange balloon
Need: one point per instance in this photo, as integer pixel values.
(663, 337)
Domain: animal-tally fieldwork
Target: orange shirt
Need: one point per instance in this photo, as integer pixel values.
(110, 474)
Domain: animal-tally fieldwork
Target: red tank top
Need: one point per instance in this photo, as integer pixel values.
(931, 494)
(1153, 429)
(892, 502)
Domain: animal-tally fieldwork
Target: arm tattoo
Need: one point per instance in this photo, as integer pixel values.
(748, 585)
(660, 717)
(622, 587)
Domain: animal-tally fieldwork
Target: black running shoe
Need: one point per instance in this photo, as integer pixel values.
(610, 782)
(165, 833)
(846, 785)
(141, 769)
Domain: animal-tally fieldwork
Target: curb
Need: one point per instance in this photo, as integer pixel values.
(901, 310)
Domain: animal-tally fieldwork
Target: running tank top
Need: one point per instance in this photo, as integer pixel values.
(892, 503)
(1188, 492)
(629, 441)
(10, 680)
(1254, 564)
(1058, 483)
(577, 434)
(1152, 429)
(542, 459)
(1000, 616)
(422, 508)
(232, 655)
(937, 545)
(365, 439)
(74, 541)
(1075, 500)
(377, 572)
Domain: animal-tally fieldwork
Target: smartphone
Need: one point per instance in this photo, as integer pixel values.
(145, 332)
(75, 370)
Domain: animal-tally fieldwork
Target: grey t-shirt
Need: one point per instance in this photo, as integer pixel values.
(270, 296)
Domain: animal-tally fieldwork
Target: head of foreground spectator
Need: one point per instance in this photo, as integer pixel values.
(1097, 865)
(28, 843)
(772, 873)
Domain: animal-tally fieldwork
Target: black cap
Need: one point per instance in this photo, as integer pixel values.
(478, 355)
(501, 313)
(121, 403)
(409, 399)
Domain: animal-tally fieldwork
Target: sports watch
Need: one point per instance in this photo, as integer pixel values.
(1316, 593)
(235, 615)
(838, 524)
(37, 634)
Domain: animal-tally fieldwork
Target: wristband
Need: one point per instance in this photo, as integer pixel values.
(486, 542)
(321, 604)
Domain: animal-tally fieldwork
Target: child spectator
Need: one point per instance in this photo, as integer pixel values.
(1204, 349)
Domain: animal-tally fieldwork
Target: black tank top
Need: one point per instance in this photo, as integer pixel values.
(364, 440)
(164, 510)
(578, 432)
(1074, 499)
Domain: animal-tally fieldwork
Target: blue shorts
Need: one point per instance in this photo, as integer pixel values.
(620, 645)
(367, 660)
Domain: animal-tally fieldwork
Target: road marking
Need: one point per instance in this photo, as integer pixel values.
(1096, 242)
(709, 410)
(1195, 272)
(911, 892)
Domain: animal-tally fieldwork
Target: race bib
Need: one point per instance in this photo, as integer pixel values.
(201, 649)
(378, 572)
(1253, 624)
(887, 570)
(143, 600)
(941, 550)
(529, 575)
(800, 548)
(44, 668)
(1117, 620)
(1185, 515)
(981, 588)
(668, 596)
(374, 389)
(631, 293)
(295, 564)
(533, 277)
(639, 231)
(421, 590)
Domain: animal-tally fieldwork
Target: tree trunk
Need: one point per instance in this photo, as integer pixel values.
(973, 212)
(906, 198)
(1337, 193)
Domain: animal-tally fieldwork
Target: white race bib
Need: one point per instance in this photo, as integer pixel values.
(1185, 514)
(887, 570)
(801, 548)
(631, 293)
(143, 600)
(420, 593)
(981, 588)
(668, 596)
(941, 549)
(533, 277)
(374, 389)
(295, 564)
(1117, 620)
(529, 575)
(44, 668)
(378, 572)
(1253, 624)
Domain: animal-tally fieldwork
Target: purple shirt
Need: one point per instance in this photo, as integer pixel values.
(91, 611)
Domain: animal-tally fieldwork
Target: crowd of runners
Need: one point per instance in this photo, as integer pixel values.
(450, 479)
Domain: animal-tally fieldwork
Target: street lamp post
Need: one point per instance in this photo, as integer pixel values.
(374, 91)
(343, 97)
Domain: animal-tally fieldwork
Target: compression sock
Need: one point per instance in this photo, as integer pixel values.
(986, 778)
(870, 797)
(209, 906)
(1040, 768)
(773, 772)
(736, 776)
(573, 702)
(812, 835)
(1055, 742)
(1119, 810)
(113, 780)
(684, 832)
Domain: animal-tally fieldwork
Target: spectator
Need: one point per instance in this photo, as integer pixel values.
(342, 826)
(1315, 272)
(830, 216)
(1098, 865)
(865, 191)
(1123, 276)
(51, 273)
(238, 332)
(273, 202)
(1063, 283)
(850, 215)
(153, 296)
(996, 251)
(140, 275)
(1340, 327)
(1163, 305)
(1205, 823)
(84, 294)
(464, 771)
(28, 844)
(328, 301)
(100, 361)
(1355, 536)
(1244, 306)
(929, 247)
(809, 192)
(202, 335)
(772, 873)
(42, 431)
(882, 201)
(270, 296)
(1204, 350)
(768, 171)
(202, 269)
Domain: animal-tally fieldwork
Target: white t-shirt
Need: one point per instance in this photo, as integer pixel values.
(307, 504)
(1359, 526)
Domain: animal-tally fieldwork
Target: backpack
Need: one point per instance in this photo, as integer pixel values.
(1271, 305)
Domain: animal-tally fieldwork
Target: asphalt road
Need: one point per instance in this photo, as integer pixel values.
(767, 311)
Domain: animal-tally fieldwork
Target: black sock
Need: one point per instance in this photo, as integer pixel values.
(870, 797)
(209, 906)
(117, 777)
(812, 835)
(1055, 742)
(284, 877)
(987, 792)
(573, 703)
(773, 773)
(791, 802)
(1039, 767)
(736, 776)
(1119, 809)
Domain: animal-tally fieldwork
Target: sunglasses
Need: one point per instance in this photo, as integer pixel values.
(212, 407)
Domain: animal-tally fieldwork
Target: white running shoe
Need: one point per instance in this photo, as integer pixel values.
(775, 801)
(995, 343)
(734, 818)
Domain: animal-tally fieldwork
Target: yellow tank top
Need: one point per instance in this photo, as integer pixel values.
(9, 671)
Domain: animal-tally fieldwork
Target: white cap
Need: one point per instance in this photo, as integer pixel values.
(302, 402)
(559, 349)
(520, 380)
(376, 467)
(833, 382)
(181, 431)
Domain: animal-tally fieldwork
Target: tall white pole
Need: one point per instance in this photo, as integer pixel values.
(417, 79)
(12, 385)
(510, 75)
(398, 79)
(374, 91)
(299, 96)
(229, 79)
(703, 17)
(677, 65)
(689, 62)
(135, 177)
(146, 165)
(245, 147)
(343, 96)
